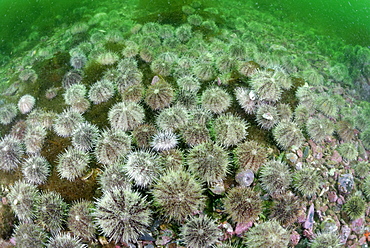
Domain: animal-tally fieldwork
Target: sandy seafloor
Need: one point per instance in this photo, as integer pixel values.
(183, 124)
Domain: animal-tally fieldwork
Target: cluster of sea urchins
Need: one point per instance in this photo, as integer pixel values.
(166, 117)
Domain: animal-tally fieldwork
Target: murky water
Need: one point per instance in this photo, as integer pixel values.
(21, 19)
(349, 20)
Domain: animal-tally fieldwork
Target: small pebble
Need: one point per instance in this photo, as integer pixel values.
(292, 157)
(299, 165)
(218, 188)
(346, 183)
(336, 157)
(329, 226)
(299, 153)
(295, 238)
(245, 178)
(332, 196)
(357, 225)
(243, 227)
(341, 200)
(345, 231)
(147, 237)
(309, 220)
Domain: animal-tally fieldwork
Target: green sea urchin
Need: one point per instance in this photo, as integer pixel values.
(72, 163)
(348, 151)
(51, 211)
(215, 99)
(159, 95)
(209, 161)
(286, 209)
(319, 128)
(23, 197)
(7, 113)
(111, 146)
(266, 235)
(266, 87)
(142, 167)
(200, 232)
(243, 204)
(11, 152)
(178, 194)
(80, 219)
(326, 239)
(307, 181)
(230, 129)
(36, 169)
(267, 116)
(275, 177)
(63, 240)
(122, 214)
(29, 235)
(355, 207)
(126, 115)
(288, 134)
(250, 155)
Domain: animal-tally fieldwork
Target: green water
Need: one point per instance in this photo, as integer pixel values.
(347, 19)
(19, 19)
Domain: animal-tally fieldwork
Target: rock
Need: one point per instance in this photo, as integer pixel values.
(243, 227)
(7, 244)
(357, 225)
(306, 152)
(302, 216)
(336, 157)
(345, 231)
(332, 196)
(313, 146)
(341, 200)
(227, 230)
(299, 153)
(218, 187)
(147, 237)
(308, 224)
(155, 80)
(329, 225)
(332, 172)
(245, 178)
(319, 155)
(299, 166)
(292, 157)
(13, 241)
(308, 233)
(353, 236)
(363, 241)
(294, 238)
(324, 208)
(163, 240)
(345, 183)
(164, 237)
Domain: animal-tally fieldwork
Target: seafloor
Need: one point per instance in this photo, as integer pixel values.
(191, 126)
